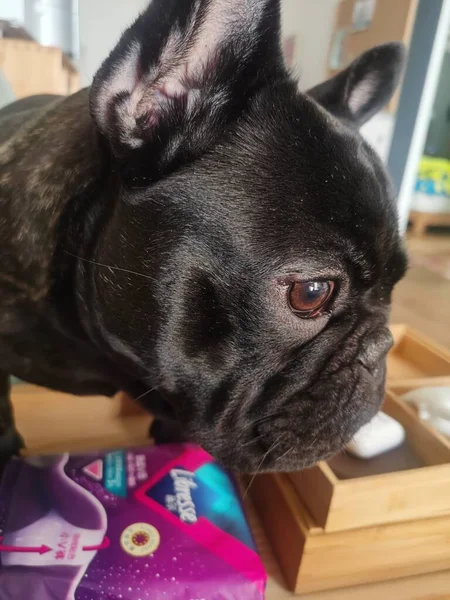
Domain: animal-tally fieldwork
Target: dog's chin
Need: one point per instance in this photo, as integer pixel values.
(314, 427)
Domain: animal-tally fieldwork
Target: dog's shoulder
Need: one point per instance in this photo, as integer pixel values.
(15, 115)
(48, 157)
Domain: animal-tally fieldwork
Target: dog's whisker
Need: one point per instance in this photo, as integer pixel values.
(288, 451)
(259, 421)
(150, 376)
(258, 469)
(252, 441)
(99, 264)
(144, 394)
(311, 444)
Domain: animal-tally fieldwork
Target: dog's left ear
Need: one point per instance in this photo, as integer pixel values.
(180, 75)
(367, 85)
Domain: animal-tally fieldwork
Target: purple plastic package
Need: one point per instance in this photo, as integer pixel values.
(154, 523)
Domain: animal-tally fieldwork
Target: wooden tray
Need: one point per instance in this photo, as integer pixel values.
(416, 360)
(313, 560)
(401, 390)
(52, 422)
(419, 490)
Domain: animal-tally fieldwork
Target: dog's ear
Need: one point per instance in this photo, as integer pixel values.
(367, 85)
(179, 74)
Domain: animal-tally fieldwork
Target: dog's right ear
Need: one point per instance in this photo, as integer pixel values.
(180, 74)
(367, 85)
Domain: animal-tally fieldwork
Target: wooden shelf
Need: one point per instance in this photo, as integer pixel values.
(420, 221)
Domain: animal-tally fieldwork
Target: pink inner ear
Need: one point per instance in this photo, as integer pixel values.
(160, 96)
(124, 78)
(361, 95)
(181, 66)
(224, 17)
(149, 101)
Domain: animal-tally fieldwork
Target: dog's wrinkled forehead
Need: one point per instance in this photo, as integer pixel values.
(290, 176)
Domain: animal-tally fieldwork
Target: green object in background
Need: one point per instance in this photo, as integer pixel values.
(434, 176)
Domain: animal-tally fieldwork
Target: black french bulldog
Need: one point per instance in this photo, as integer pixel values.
(197, 232)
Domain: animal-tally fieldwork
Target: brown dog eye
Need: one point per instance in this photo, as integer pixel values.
(308, 298)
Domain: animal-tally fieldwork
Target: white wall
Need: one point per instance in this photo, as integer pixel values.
(12, 10)
(312, 21)
(378, 133)
(50, 23)
(101, 24)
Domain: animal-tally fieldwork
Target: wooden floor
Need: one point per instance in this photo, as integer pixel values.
(422, 299)
(52, 422)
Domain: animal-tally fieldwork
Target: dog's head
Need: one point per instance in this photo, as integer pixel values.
(254, 231)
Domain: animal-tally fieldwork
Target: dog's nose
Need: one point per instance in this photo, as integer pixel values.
(375, 348)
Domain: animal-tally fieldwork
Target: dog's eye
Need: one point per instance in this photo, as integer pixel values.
(308, 298)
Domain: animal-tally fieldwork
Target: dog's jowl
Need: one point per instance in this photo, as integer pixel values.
(194, 230)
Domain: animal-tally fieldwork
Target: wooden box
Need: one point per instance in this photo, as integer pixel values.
(314, 560)
(379, 520)
(401, 390)
(418, 488)
(52, 422)
(416, 360)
